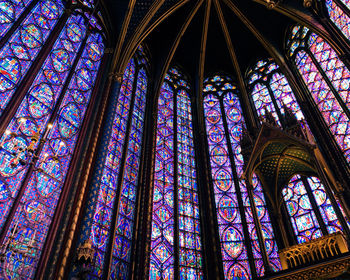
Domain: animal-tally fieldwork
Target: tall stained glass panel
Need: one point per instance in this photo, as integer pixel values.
(327, 79)
(118, 186)
(175, 155)
(241, 252)
(38, 146)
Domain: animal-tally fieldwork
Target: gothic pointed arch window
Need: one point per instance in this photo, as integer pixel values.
(327, 79)
(240, 246)
(118, 189)
(46, 89)
(175, 213)
(307, 201)
(339, 11)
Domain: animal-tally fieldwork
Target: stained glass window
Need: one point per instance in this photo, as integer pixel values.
(19, 52)
(270, 91)
(338, 16)
(121, 184)
(304, 221)
(327, 79)
(40, 140)
(175, 197)
(241, 252)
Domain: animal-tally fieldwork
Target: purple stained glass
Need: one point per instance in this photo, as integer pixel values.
(10, 11)
(125, 220)
(41, 194)
(299, 208)
(337, 15)
(18, 54)
(35, 110)
(333, 114)
(235, 124)
(234, 252)
(334, 72)
(189, 221)
(263, 102)
(322, 200)
(108, 184)
(175, 88)
(162, 237)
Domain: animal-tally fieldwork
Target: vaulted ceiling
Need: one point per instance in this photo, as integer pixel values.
(203, 36)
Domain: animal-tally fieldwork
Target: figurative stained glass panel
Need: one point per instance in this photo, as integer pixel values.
(299, 208)
(234, 251)
(38, 203)
(10, 11)
(189, 221)
(235, 124)
(328, 87)
(262, 101)
(175, 139)
(125, 220)
(162, 238)
(337, 15)
(19, 52)
(34, 112)
(269, 88)
(322, 200)
(108, 185)
(332, 112)
(223, 112)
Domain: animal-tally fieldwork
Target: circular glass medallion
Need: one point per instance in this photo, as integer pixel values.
(10, 73)
(49, 9)
(227, 208)
(28, 127)
(83, 79)
(219, 155)
(213, 116)
(35, 211)
(31, 36)
(94, 51)
(74, 32)
(60, 60)
(20, 51)
(216, 134)
(223, 179)
(232, 242)
(45, 185)
(40, 100)
(69, 120)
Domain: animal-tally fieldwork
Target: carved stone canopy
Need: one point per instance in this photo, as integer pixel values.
(276, 157)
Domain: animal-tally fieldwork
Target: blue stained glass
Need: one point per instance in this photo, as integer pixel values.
(108, 185)
(20, 51)
(234, 252)
(10, 11)
(174, 100)
(34, 111)
(123, 240)
(41, 194)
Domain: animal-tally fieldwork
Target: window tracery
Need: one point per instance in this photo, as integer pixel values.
(175, 215)
(327, 79)
(237, 228)
(40, 139)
